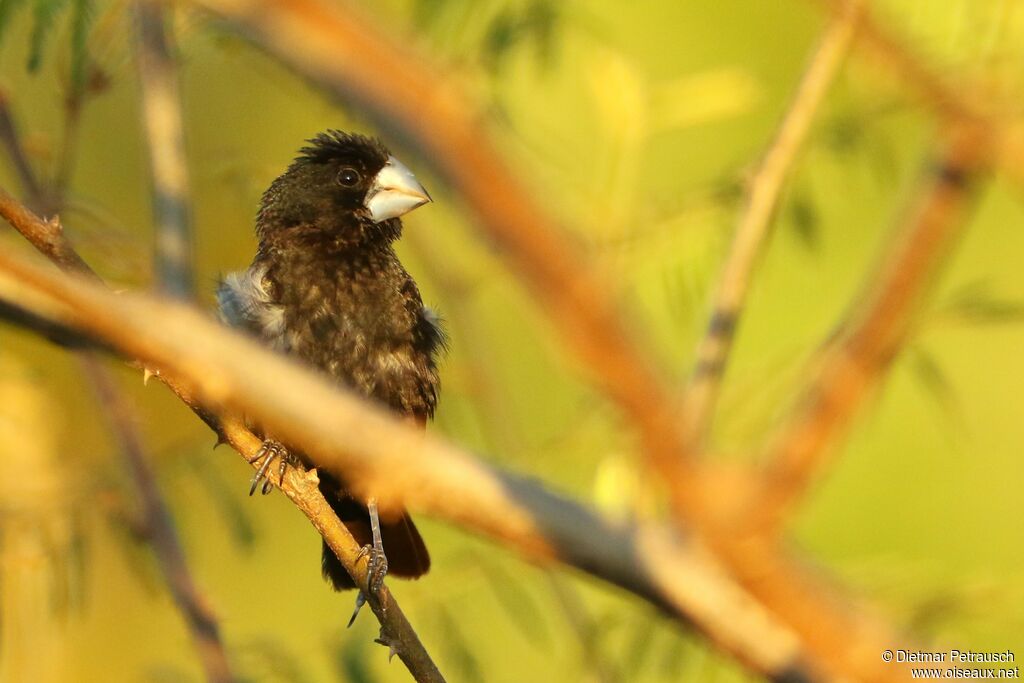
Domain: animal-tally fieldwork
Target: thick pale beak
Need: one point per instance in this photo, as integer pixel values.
(395, 191)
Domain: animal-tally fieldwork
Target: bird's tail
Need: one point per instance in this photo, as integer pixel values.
(403, 546)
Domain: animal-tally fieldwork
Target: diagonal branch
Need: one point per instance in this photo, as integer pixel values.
(302, 489)
(161, 107)
(855, 358)
(211, 368)
(396, 631)
(712, 354)
(45, 235)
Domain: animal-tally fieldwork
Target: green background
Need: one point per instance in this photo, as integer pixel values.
(636, 123)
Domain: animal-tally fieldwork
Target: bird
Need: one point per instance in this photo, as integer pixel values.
(326, 287)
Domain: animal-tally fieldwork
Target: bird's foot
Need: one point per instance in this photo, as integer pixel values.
(376, 566)
(270, 450)
(376, 563)
(376, 570)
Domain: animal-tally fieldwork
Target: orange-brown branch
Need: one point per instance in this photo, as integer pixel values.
(401, 465)
(855, 359)
(396, 630)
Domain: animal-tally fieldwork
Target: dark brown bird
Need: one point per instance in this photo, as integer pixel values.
(327, 288)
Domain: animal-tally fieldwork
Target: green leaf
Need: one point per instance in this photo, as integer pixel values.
(544, 18)
(45, 14)
(8, 8)
(458, 648)
(82, 14)
(803, 216)
(535, 24)
(977, 304)
(518, 603)
(502, 35)
(268, 659)
(640, 642)
(351, 661)
(935, 383)
(225, 496)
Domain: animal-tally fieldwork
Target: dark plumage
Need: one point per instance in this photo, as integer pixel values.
(326, 287)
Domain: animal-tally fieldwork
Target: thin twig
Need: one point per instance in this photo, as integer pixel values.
(301, 487)
(161, 106)
(856, 356)
(47, 237)
(36, 196)
(159, 527)
(208, 365)
(712, 354)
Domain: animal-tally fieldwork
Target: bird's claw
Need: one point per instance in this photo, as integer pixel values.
(270, 450)
(376, 566)
(360, 601)
(376, 570)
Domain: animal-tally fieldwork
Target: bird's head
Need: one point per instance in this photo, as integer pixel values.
(339, 177)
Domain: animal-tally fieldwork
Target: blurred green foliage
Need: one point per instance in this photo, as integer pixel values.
(637, 124)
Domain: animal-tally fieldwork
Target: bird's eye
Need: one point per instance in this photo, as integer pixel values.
(348, 177)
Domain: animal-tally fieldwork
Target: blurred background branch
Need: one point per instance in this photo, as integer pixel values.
(165, 138)
(761, 201)
(158, 526)
(855, 359)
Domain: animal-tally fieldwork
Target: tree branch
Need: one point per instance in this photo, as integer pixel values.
(396, 631)
(209, 366)
(712, 354)
(45, 235)
(857, 355)
(161, 106)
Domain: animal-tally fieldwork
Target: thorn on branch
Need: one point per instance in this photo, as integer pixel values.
(390, 643)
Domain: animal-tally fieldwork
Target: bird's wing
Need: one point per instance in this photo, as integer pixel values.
(245, 303)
